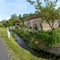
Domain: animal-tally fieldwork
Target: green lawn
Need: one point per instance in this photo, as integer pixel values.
(16, 52)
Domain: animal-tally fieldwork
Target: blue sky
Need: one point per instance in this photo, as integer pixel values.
(9, 7)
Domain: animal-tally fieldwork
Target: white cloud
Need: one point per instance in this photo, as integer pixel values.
(9, 7)
(17, 5)
(58, 5)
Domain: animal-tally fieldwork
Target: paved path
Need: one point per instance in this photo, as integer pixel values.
(3, 52)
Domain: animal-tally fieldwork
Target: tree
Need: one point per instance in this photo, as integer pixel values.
(59, 11)
(26, 15)
(47, 12)
(20, 17)
(5, 23)
(13, 19)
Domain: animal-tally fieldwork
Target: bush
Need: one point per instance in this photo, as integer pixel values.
(55, 38)
(57, 30)
(25, 35)
(46, 37)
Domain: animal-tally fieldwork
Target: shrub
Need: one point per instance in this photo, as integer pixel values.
(46, 37)
(57, 30)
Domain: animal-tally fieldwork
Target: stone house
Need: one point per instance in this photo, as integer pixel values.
(34, 23)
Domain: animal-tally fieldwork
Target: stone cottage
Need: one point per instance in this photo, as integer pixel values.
(34, 23)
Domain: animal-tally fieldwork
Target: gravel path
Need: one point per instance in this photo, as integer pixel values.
(3, 52)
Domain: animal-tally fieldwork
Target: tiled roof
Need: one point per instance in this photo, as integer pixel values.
(32, 17)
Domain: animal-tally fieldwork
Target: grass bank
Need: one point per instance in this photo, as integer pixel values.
(16, 52)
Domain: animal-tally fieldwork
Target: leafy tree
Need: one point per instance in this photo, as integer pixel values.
(5, 23)
(26, 15)
(20, 16)
(13, 19)
(50, 14)
(47, 12)
(59, 11)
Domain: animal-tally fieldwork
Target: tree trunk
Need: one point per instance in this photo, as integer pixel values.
(52, 25)
(49, 24)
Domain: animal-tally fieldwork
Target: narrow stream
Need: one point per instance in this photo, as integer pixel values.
(21, 42)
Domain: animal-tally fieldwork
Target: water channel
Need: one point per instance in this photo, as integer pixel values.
(40, 54)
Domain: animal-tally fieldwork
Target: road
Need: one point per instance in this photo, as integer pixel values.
(3, 52)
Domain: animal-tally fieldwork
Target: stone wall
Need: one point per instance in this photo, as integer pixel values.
(36, 23)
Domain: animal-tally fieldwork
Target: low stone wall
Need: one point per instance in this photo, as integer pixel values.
(53, 50)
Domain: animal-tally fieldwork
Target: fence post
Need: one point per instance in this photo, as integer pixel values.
(8, 33)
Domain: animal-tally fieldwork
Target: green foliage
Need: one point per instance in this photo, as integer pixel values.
(33, 45)
(26, 15)
(14, 19)
(47, 38)
(5, 23)
(11, 22)
(21, 25)
(57, 30)
(56, 38)
(46, 12)
(1, 25)
(25, 35)
(44, 37)
(20, 17)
